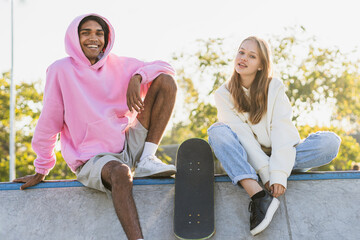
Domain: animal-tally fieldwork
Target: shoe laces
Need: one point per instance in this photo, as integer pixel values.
(154, 159)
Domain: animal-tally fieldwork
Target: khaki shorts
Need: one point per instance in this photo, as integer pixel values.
(89, 174)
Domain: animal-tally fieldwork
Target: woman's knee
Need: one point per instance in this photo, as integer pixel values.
(216, 129)
(330, 142)
(220, 133)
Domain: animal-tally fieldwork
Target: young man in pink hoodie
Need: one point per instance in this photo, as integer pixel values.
(94, 100)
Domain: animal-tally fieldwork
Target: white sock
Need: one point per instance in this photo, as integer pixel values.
(149, 149)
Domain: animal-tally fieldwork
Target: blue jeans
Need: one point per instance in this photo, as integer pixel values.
(316, 150)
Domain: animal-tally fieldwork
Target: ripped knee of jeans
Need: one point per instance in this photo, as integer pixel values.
(217, 124)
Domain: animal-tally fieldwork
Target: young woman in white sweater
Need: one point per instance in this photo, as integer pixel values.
(255, 134)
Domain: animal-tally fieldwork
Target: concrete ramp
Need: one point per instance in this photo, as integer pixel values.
(315, 206)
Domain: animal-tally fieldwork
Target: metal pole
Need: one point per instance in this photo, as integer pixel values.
(12, 102)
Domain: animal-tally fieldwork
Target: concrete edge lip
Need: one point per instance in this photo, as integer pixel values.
(5, 186)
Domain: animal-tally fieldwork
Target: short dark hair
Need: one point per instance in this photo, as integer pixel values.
(101, 22)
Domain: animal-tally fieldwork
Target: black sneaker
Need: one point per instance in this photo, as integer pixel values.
(261, 212)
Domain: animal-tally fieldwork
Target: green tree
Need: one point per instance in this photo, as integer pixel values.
(319, 76)
(179, 132)
(198, 75)
(27, 112)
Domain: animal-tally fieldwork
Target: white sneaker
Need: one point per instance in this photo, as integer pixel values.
(152, 166)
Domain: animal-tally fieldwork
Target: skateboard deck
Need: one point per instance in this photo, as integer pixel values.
(194, 191)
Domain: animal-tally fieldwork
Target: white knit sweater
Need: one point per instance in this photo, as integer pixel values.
(274, 134)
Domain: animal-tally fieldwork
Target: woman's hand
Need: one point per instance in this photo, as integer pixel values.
(277, 190)
(267, 186)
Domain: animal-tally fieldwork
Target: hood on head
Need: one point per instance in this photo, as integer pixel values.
(72, 42)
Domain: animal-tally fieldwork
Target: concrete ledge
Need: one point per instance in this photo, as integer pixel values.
(310, 209)
(158, 181)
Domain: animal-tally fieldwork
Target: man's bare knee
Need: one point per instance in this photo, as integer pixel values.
(121, 176)
(167, 83)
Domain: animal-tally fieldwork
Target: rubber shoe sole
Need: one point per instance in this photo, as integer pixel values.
(268, 217)
(159, 173)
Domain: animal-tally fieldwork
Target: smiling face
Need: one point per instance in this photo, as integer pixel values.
(92, 40)
(247, 61)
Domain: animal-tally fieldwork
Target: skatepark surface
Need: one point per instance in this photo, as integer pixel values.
(317, 205)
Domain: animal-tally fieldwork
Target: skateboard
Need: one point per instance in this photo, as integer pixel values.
(194, 191)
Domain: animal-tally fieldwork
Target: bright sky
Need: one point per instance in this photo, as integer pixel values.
(155, 29)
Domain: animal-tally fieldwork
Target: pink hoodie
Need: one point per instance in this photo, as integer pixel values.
(87, 103)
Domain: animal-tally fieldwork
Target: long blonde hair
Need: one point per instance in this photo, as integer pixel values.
(256, 104)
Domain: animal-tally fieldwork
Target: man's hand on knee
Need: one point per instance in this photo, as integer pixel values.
(133, 98)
